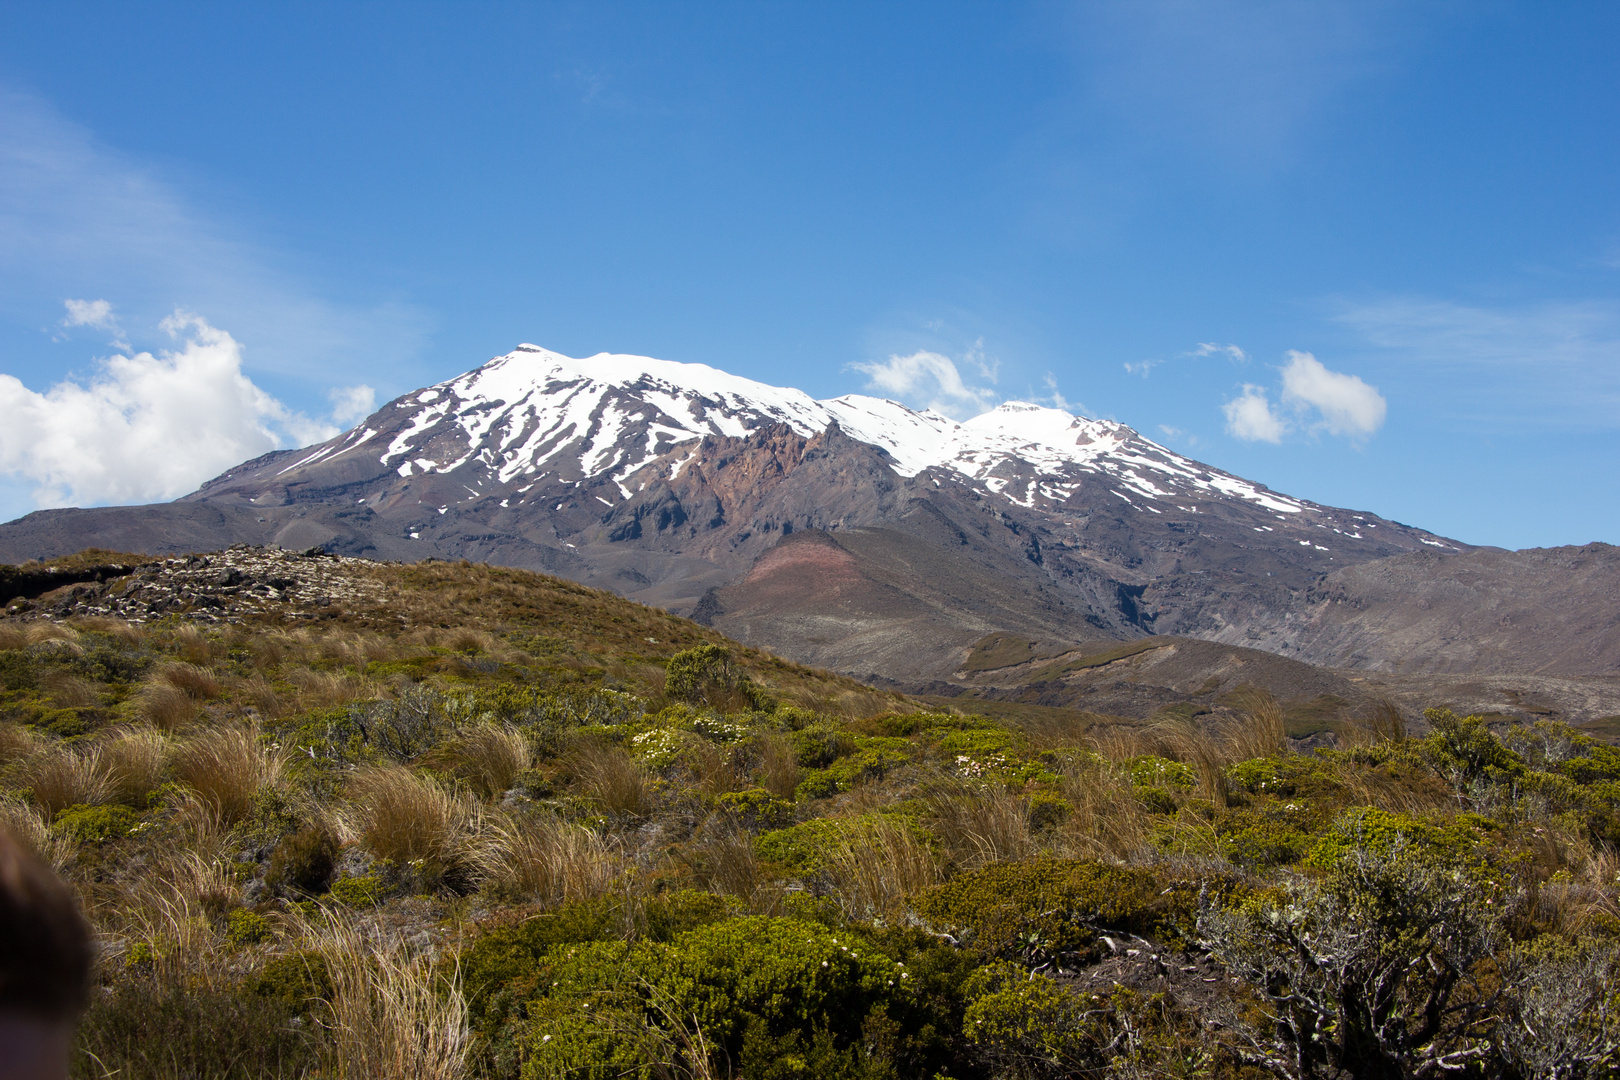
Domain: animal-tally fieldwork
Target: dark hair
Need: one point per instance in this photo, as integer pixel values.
(45, 950)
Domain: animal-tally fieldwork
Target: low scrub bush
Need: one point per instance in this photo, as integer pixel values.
(1045, 908)
(303, 861)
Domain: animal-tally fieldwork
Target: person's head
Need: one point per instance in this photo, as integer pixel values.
(45, 964)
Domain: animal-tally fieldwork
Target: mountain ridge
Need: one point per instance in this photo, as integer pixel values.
(673, 484)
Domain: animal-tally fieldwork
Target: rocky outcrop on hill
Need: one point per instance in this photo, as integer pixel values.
(223, 586)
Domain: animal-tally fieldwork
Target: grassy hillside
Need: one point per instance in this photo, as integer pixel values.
(334, 818)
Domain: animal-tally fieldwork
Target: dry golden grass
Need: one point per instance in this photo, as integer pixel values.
(1257, 731)
(326, 689)
(37, 633)
(488, 757)
(548, 861)
(611, 778)
(71, 691)
(390, 1017)
(355, 648)
(408, 817)
(1382, 723)
(257, 691)
(227, 767)
(978, 826)
(165, 707)
(715, 768)
(16, 743)
(779, 771)
(28, 828)
(876, 866)
(722, 858)
(1410, 794)
(130, 635)
(197, 683)
(193, 646)
(1106, 820)
(59, 777)
(13, 636)
(136, 762)
(269, 651)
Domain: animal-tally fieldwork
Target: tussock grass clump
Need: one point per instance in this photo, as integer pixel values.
(722, 858)
(166, 707)
(488, 757)
(197, 683)
(69, 691)
(548, 861)
(779, 771)
(1257, 731)
(325, 689)
(16, 743)
(977, 826)
(257, 691)
(136, 762)
(26, 826)
(227, 767)
(612, 778)
(193, 646)
(876, 866)
(408, 817)
(389, 1015)
(1105, 819)
(59, 777)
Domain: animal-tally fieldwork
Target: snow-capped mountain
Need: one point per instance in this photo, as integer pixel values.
(853, 532)
(534, 413)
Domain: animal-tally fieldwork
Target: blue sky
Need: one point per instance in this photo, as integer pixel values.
(1368, 254)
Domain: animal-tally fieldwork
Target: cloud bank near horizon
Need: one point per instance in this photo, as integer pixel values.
(148, 427)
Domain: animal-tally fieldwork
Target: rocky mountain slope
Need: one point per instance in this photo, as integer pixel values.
(854, 533)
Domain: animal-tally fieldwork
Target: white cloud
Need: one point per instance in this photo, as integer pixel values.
(1347, 405)
(1231, 352)
(927, 380)
(1250, 417)
(351, 403)
(1056, 399)
(146, 427)
(1205, 348)
(95, 313)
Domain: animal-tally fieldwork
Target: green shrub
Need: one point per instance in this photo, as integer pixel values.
(1384, 832)
(871, 759)
(821, 745)
(1256, 840)
(244, 927)
(303, 861)
(363, 891)
(762, 992)
(17, 671)
(144, 1027)
(298, 981)
(93, 824)
(1149, 771)
(1044, 908)
(757, 808)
